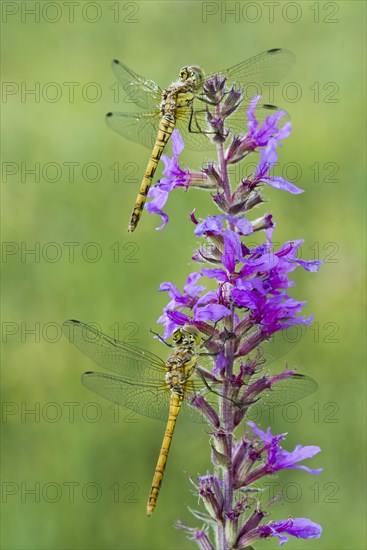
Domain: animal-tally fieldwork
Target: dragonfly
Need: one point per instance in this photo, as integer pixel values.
(184, 105)
(148, 385)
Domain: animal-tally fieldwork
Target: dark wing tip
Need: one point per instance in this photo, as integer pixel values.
(297, 375)
(70, 322)
(88, 373)
(275, 50)
(116, 61)
(68, 330)
(109, 114)
(269, 107)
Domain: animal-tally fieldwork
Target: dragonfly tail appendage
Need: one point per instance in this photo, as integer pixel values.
(175, 404)
(166, 127)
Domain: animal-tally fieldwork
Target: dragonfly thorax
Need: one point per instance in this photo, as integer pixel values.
(182, 362)
(175, 380)
(179, 95)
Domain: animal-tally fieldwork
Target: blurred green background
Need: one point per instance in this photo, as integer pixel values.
(91, 469)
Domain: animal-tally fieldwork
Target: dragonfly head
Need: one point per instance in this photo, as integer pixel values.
(188, 335)
(193, 72)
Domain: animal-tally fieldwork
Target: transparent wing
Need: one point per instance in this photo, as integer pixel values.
(139, 127)
(194, 128)
(269, 66)
(149, 398)
(197, 133)
(138, 90)
(283, 392)
(238, 121)
(193, 388)
(288, 390)
(282, 342)
(191, 413)
(143, 127)
(140, 386)
(133, 364)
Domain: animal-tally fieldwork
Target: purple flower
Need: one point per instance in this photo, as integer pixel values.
(252, 279)
(268, 158)
(302, 528)
(213, 225)
(190, 293)
(179, 300)
(200, 536)
(203, 308)
(210, 490)
(259, 136)
(175, 177)
(277, 458)
(273, 312)
(173, 319)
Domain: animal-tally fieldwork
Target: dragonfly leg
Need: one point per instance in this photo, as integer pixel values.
(209, 337)
(214, 391)
(206, 100)
(161, 339)
(199, 129)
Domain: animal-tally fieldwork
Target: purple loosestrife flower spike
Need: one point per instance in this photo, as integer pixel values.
(238, 298)
(268, 157)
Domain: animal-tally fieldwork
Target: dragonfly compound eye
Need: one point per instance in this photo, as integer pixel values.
(185, 73)
(192, 334)
(177, 336)
(196, 73)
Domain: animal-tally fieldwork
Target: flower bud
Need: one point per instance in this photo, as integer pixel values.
(209, 489)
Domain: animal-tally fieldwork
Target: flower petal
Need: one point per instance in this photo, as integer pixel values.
(211, 312)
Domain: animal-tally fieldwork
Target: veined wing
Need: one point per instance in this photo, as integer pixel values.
(238, 121)
(290, 390)
(266, 67)
(194, 128)
(197, 136)
(281, 342)
(138, 90)
(286, 391)
(140, 386)
(133, 364)
(147, 397)
(139, 127)
(143, 127)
